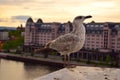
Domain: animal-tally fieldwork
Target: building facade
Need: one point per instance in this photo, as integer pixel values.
(103, 36)
(3, 35)
(99, 36)
(39, 33)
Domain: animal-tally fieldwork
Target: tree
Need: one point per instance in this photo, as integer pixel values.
(16, 33)
(15, 42)
(108, 59)
(6, 46)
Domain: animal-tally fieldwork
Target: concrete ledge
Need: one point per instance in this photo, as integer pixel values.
(83, 73)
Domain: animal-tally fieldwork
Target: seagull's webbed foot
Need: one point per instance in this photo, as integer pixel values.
(71, 66)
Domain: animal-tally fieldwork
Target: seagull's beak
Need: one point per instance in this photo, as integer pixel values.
(88, 16)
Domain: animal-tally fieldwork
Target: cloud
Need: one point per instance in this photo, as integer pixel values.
(60, 11)
(105, 4)
(13, 2)
(21, 18)
(3, 20)
(11, 22)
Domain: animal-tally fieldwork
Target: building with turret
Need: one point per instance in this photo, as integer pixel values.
(104, 37)
(20, 28)
(39, 33)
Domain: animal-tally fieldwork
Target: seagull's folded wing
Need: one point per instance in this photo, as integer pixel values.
(65, 42)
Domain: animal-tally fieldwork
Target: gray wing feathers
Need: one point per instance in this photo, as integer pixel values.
(64, 43)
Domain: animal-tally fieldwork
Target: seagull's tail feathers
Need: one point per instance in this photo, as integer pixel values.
(38, 50)
(45, 49)
(42, 50)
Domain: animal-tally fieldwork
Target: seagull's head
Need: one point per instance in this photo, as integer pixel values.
(79, 19)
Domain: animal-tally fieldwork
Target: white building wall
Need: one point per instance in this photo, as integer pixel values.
(3, 35)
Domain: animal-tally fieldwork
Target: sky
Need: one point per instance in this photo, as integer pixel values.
(16, 12)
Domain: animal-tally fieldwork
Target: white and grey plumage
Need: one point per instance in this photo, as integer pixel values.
(71, 42)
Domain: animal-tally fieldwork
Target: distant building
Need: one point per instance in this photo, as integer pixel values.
(39, 33)
(20, 28)
(22, 33)
(3, 35)
(104, 37)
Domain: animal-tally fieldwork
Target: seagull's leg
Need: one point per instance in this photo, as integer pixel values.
(68, 60)
(70, 65)
(64, 60)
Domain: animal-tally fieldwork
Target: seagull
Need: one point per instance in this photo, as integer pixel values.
(70, 42)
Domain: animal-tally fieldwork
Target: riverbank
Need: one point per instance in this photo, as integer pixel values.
(31, 59)
(17, 70)
(37, 60)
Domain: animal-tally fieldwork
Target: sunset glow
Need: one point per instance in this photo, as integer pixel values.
(16, 12)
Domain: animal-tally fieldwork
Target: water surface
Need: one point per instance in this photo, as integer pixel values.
(15, 70)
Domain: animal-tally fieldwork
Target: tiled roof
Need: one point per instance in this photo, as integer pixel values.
(30, 20)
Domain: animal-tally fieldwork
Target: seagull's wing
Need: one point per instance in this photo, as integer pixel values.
(65, 42)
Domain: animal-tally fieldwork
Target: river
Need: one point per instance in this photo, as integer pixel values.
(15, 70)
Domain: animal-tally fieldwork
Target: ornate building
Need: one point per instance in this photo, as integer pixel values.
(99, 36)
(39, 33)
(103, 36)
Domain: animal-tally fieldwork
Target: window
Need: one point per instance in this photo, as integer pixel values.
(113, 46)
(113, 39)
(88, 41)
(88, 38)
(97, 45)
(118, 39)
(98, 35)
(87, 44)
(92, 25)
(96, 25)
(87, 25)
(93, 38)
(118, 46)
(93, 35)
(97, 42)
(101, 26)
(117, 26)
(113, 43)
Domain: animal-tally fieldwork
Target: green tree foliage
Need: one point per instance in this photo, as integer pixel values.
(14, 43)
(108, 58)
(6, 45)
(15, 33)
